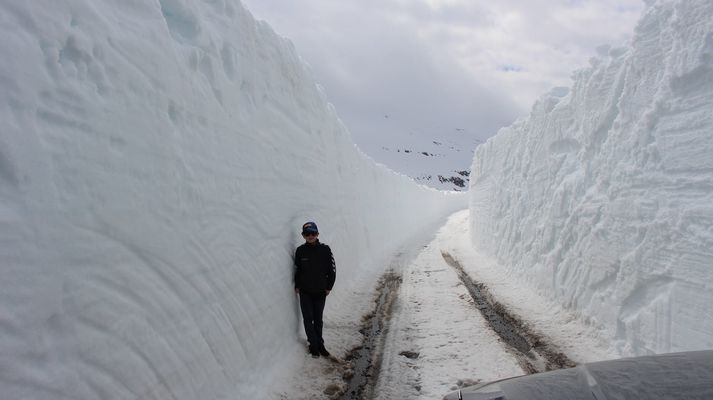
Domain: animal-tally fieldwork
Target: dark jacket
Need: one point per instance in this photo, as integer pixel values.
(315, 270)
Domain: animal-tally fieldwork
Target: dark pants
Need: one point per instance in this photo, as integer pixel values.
(312, 305)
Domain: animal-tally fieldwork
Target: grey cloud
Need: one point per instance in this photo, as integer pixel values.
(407, 59)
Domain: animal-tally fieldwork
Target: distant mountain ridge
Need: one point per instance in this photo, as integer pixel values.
(439, 162)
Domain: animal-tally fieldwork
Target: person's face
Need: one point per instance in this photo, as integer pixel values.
(310, 237)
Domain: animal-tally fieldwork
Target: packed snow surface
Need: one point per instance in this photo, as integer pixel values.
(157, 160)
(603, 197)
(437, 338)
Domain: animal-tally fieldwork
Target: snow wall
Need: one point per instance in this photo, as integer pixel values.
(157, 161)
(603, 197)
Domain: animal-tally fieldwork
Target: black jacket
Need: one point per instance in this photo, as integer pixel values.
(315, 270)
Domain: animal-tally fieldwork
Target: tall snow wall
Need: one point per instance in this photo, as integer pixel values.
(157, 160)
(603, 197)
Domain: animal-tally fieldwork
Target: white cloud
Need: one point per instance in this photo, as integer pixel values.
(444, 62)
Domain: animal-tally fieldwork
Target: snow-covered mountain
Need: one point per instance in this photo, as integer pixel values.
(603, 197)
(441, 161)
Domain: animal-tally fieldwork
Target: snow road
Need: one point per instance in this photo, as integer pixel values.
(434, 318)
(436, 340)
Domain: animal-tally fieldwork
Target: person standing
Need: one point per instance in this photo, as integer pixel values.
(315, 273)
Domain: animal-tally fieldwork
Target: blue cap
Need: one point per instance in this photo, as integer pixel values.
(309, 227)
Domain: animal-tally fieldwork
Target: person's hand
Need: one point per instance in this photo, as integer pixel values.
(328, 292)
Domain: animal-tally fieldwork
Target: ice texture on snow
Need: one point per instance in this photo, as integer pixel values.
(602, 197)
(157, 160)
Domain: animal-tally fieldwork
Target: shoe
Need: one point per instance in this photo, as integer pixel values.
(323, 352)
(314, 352)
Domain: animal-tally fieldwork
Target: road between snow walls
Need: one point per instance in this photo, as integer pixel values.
(435, 327)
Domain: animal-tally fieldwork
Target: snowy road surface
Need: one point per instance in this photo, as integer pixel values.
(435, 318)
(436, 338)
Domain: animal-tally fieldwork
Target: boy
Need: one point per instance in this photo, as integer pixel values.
(315, 272)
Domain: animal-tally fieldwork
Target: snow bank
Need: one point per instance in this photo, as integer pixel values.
(157, 160)
(603, 197)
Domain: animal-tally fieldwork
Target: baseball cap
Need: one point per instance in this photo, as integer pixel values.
(309, 227)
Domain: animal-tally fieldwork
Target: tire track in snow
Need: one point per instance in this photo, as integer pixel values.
(366, 359)
(534, 354)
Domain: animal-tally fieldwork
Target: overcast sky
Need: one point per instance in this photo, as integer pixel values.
(429, 67)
